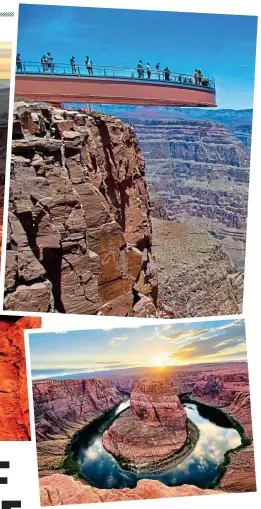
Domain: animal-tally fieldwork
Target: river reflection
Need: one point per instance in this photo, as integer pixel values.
(200, 468)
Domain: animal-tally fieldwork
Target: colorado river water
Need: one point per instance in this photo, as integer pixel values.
(200, 468)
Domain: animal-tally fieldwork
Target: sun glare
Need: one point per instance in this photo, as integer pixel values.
(160, 360)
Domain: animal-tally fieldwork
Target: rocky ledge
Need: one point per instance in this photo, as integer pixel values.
(14, 407)
(62, 407)
(154, 433)
(59, 489)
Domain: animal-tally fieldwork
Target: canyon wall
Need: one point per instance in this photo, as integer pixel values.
(62, 407)
(14, 407)
(195, 276)
(79, 238)
(231, 393)
(3, 142)
(201, 172)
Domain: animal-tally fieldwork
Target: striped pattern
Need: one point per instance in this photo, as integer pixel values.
(6, 14)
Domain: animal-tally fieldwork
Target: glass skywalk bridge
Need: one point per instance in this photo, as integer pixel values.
(58, 82)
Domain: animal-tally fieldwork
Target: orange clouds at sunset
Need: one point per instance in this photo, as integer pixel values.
(5, 60)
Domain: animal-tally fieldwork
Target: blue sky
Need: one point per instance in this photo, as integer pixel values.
(222, 46)
(150, 345)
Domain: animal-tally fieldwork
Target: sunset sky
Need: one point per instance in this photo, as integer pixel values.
(150, 345)
(5, 61)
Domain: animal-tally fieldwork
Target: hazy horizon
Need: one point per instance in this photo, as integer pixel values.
(5, 62)
(159, 370)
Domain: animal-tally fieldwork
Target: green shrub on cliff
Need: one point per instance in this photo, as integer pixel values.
(70, 465)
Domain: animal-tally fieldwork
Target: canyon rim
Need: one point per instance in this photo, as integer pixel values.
(92, 231)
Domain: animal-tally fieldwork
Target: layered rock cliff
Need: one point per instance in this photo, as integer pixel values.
(62, 407)
(79, 236)
(14, 407)
(3, 142)
(151, 435)
(200, 171)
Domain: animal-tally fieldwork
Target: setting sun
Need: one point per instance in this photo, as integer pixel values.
(160, 360)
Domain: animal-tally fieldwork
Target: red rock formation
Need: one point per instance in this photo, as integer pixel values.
(149, 434)
(79, 228)
(14, 408)
(59, 489)
(62, 407)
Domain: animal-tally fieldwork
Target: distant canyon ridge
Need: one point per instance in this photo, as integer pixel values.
(197, 168)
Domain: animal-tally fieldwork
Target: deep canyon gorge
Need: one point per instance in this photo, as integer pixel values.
(68, 410)
(82, 237)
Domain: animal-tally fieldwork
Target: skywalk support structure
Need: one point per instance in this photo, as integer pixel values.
(112, 85)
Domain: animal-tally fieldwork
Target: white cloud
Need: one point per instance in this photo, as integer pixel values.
(116, 339)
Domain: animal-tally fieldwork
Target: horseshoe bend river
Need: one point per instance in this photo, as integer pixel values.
(217, 436)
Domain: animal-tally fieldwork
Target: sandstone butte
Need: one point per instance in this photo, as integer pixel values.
(225, 386)
(14, 408)
(80, 237)
(151, 434)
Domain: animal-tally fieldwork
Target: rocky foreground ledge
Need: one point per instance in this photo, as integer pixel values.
(59, 489)
(154, 432)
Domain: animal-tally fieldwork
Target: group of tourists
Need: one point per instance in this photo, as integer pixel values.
(88, 63)
(167, 75)
(200, 79)
(47, 64)
(141, 71)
